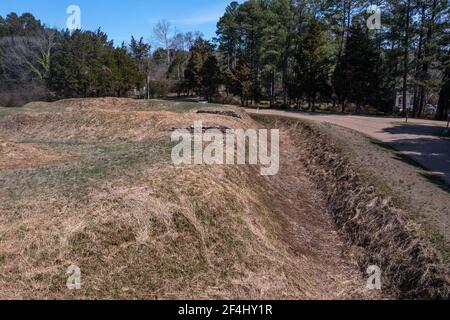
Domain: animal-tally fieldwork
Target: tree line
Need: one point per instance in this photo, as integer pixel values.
(307, 54)
(37, 62)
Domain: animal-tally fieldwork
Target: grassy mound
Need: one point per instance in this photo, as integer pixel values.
(140, 228)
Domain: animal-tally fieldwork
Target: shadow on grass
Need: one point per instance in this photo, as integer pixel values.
(424, 172)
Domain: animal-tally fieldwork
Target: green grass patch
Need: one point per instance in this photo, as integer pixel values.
(92, 164)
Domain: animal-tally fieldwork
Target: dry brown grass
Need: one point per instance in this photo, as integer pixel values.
(13, 155)
(140, 228)
(97, 120)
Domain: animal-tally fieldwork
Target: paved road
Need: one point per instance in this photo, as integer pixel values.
(417, 139)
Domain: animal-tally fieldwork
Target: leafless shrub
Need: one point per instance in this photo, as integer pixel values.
(25, 66)
(22, 55)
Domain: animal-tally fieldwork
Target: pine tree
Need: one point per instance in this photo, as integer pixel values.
(356, 78)
(240, 80)
(141, 53)
(210, 77)
(202, 71)
(229, 34)
(313, 64)
(87, 64)
(443, 110)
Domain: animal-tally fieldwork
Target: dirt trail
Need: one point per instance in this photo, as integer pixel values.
(417, 139)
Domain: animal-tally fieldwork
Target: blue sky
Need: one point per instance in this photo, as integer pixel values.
(123, 18)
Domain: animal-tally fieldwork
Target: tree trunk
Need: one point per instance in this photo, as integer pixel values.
(405, 58)
(272, 88)
(419, 58)
(425, 66)
(415, 103)
(444, 96)
(285, 72)
(343, 106)
(344, 27)
(421, 101)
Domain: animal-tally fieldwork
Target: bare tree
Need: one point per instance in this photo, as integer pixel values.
(161, 33)
(178, 41)
(25, 66)
(31, 52)
(190, 37)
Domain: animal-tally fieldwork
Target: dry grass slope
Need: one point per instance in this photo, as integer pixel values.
(98, 190)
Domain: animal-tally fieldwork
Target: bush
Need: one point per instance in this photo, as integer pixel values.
(158, 88)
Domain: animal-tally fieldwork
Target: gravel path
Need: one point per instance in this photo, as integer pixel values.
(417, 139)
